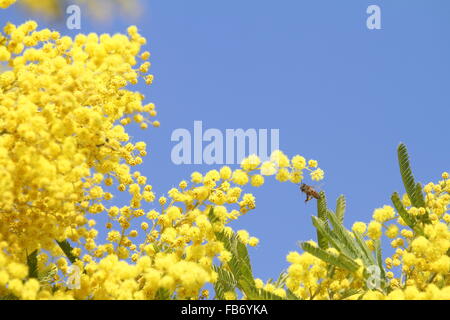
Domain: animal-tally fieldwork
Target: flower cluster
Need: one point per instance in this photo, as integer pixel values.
(64, 105)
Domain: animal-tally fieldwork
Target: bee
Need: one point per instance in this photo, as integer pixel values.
(309, 191)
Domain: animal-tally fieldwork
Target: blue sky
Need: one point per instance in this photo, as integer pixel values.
(338, 93)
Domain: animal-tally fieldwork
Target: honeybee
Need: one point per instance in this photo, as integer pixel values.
(309, 191)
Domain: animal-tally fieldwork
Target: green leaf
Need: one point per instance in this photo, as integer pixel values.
(266, 295)
(162, 294)
(409, 220)
(252, 293)
(242, 254)
(414, 195)
(32, 264)
(9, 296)
(46, 277)
(344, 236)
(211, 216)
(331, 271)
(368, 257)
(328, 234)
(322, 215)
(340, 208)
(340, 261)
(239, 264)
(290, 295)
(349, 293)
(281, 281)
(420, 200)
(378, 253)
(67, 249)
(225, 282)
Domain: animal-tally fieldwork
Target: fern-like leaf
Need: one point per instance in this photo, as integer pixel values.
(239, 265)
(211, 216)
(322, 215)
(379, 256)
(368, 257)
(409, 220)
(328, 234)
(225, 282)
(348, 293)
(340, 208)
(344, 236)
(162, 294)
(420, 200)
(242, 255)
(67, 249)
(252, 293)
(340, 261)
(32, 264)
(9, 296)
(291, 296)
(414, 194)
(46, 277)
